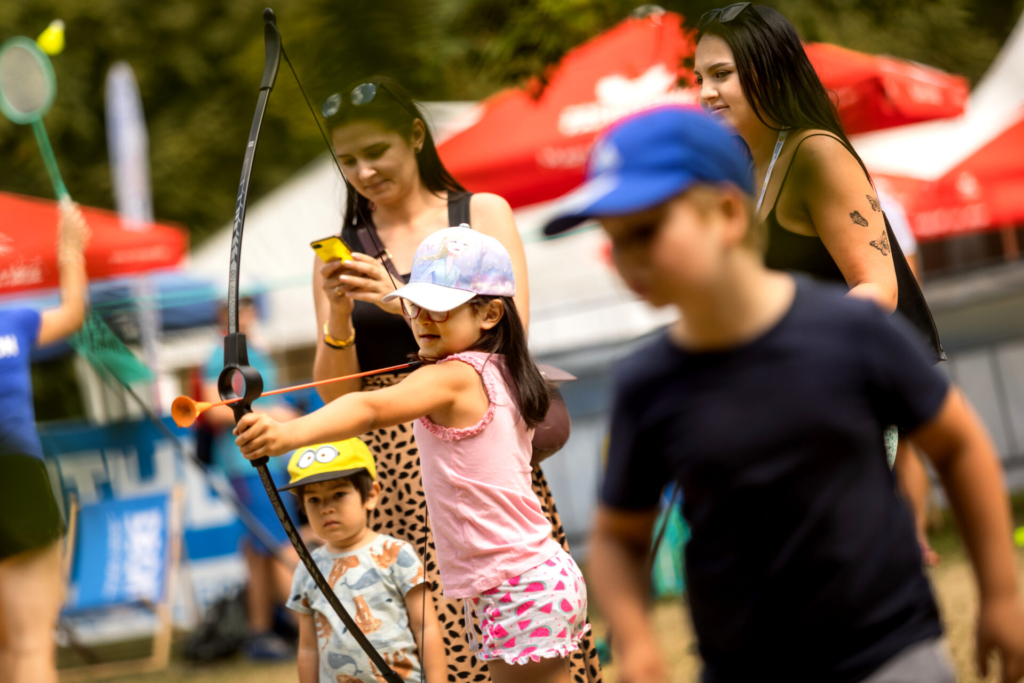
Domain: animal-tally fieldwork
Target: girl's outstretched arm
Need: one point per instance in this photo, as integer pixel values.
(432, 390)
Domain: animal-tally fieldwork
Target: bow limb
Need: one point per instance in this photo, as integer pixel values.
(236, 358)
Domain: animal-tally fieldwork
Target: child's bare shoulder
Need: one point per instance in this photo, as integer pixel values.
(457, 373)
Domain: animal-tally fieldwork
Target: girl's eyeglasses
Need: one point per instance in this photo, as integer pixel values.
(361, 94)
(722, 15)
(412, 312)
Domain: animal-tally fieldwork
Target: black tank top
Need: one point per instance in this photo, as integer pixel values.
(788, 250)
(383, 339)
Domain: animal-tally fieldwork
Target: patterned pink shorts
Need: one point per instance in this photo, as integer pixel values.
(540, 613)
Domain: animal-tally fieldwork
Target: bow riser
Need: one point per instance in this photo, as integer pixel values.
(236, 357)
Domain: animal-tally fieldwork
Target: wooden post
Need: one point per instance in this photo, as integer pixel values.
(1011, 245)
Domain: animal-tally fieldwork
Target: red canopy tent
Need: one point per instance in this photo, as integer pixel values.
(530, 150)
(877, 91)
(983, 192)
(28, 244)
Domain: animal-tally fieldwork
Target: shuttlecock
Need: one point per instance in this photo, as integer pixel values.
(51, 41)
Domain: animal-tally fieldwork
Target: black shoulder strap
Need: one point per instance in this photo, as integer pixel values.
(792, 160)
(458, 208)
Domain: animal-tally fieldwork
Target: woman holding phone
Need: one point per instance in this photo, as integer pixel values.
(399, 193)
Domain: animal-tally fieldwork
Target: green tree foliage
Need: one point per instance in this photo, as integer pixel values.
(198, 63)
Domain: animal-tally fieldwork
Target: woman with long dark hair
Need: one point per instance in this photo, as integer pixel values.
(399, 193)
(821, 215)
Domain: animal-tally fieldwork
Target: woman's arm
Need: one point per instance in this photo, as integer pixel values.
(309, 653)
(334, 308)
(427, 632)
(66, 319)
(966, 461)
(443, 391)
(841, 205)
(492, 216)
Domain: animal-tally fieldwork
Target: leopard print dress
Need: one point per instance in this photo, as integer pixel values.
(402, 513)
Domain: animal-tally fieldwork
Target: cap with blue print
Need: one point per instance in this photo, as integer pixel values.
(651, 157)
(453, 265)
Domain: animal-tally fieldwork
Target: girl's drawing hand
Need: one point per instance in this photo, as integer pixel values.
(260, 435)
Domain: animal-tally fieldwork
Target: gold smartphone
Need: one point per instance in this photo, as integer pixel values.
(332, 248)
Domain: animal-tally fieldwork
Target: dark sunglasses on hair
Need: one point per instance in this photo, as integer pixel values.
(361, 94)
(722, 15)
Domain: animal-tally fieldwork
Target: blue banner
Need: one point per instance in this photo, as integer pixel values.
(123, 555)
(133, 459)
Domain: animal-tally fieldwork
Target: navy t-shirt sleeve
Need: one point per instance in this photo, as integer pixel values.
(637, 468)
(904, 386)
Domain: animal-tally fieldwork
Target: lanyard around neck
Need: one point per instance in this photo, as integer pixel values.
(768, 175)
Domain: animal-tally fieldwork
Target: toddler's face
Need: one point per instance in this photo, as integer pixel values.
(336, 511)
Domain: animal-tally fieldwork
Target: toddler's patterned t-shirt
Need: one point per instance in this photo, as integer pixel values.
(371, 583)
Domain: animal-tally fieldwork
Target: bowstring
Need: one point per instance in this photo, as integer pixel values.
(334, 157)
(380, 255)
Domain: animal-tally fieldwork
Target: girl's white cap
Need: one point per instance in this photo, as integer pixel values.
(453, 265)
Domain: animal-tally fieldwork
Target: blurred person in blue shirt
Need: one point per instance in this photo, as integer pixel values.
(269, 579)
(31, 524)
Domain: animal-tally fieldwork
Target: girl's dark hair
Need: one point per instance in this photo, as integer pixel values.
(393, 108)
(777, 77)
(529, 389)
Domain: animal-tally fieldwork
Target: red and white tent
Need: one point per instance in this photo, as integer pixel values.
(28, 245)
(878, 91)
(984, 191)
(965, 174)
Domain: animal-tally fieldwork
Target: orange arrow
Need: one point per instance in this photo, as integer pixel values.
(185, 410)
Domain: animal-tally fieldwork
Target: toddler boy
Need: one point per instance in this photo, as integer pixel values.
(379, 579)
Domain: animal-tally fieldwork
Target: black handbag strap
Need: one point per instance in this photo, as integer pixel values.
(369, 239)
(458, 208)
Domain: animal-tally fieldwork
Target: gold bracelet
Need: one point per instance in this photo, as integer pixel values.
(340, 345)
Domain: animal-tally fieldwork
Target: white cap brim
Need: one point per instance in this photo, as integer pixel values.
(432, 297)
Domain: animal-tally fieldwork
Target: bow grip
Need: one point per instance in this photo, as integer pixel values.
(236, 359)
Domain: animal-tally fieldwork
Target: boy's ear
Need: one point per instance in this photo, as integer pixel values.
(491, 314)
(373, 497)
(734, 205)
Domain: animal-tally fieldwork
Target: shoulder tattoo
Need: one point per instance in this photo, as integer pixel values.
(882, 243)
(873, 202)
(858, 219)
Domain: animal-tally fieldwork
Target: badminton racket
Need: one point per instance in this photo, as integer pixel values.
(28, 87)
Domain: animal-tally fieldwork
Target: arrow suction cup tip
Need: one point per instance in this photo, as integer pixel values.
(185, 411)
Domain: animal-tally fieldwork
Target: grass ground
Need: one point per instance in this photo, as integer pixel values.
(952, 580)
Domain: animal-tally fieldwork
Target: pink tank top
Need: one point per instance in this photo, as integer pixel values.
(487, 522)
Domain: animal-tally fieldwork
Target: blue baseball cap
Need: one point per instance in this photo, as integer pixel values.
(649, 158)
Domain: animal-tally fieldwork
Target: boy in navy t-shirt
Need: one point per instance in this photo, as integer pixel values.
(767, 402)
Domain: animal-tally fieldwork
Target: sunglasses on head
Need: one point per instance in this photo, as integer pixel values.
(722, 15)
(360, 95)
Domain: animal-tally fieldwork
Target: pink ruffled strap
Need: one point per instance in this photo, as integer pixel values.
(478, 361)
